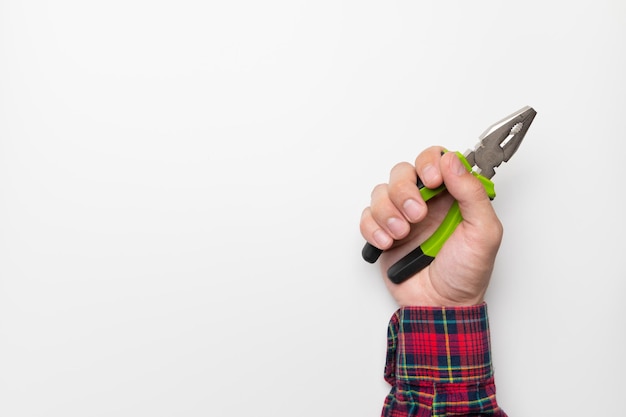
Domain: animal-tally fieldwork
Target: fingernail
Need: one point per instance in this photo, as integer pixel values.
(429, 175)
(412, 209)
(456, 166)
(397, 226)
(382, 239)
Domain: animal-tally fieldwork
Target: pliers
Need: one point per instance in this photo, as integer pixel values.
(497, 144)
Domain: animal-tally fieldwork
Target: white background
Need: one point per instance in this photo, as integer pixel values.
(181, 184)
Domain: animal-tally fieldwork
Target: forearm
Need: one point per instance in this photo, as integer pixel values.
(439, 361)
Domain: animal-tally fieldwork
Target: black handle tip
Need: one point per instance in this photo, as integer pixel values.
(411, 264)
(370, 253)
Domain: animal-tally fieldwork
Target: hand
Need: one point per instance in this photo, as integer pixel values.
(398, 220)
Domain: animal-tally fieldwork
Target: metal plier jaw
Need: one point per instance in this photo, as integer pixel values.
(500, 141)
(497, 144)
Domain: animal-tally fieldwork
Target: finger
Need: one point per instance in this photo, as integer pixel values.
(427, 165)
(372, 232)
(386, 214)
(474, 203)
(404, 194)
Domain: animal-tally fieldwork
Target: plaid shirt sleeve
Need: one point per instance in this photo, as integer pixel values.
(439, 363)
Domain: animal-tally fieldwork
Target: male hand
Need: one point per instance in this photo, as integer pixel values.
(398, 220)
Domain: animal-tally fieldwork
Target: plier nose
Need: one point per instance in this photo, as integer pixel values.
(500, 141)
(497, 144)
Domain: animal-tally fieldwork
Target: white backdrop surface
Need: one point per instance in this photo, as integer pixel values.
(181, 184)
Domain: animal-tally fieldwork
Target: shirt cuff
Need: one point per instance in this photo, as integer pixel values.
(439, 345)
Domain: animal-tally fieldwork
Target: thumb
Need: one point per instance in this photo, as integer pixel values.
(474, 202)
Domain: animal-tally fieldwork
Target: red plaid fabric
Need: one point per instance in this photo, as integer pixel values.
(439, 363)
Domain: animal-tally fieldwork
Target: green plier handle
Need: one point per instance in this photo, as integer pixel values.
(423, 255)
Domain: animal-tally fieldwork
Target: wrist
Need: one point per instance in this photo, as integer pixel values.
(420, 291)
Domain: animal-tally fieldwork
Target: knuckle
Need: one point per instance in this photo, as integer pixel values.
(377, 189)
(396, 189)
(401, 166)
(492, 232)
(475, 189)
